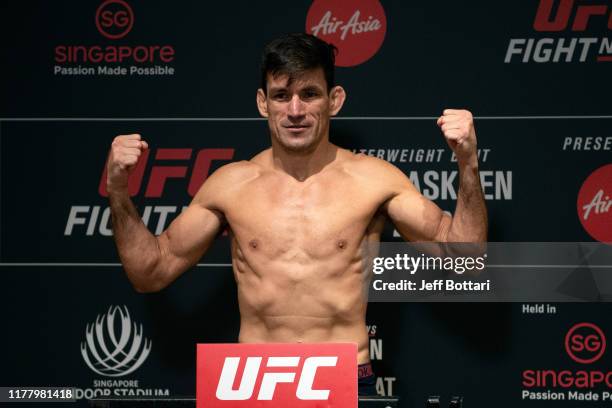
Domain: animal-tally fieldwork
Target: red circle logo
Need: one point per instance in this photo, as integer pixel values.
(114, 19)
(585, 343)
(595, 204)
(356, 27)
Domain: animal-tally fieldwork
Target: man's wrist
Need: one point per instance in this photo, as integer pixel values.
(468, 164)
(117, 190)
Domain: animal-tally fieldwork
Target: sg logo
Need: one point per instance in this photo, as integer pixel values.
(114, 19)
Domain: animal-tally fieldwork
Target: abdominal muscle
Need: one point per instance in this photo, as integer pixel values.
(298, 299)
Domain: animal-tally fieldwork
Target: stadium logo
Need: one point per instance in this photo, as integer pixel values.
(595, 204)
(585, 343)
(114, 19)
(114, 347)
(357, 28)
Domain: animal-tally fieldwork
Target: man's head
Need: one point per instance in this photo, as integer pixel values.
(294, 54)
(297, 92)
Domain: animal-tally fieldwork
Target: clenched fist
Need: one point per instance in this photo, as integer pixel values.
(457, 125)
(124, 155)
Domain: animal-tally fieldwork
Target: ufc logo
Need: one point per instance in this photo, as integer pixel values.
(269, 380)
(545, 21)
(272, 375)
(160, 173)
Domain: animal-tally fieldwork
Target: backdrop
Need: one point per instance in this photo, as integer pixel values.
(536, 75)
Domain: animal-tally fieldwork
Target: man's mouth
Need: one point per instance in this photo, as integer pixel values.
(296, 128)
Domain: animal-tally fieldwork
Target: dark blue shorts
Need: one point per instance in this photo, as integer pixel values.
(366, 380)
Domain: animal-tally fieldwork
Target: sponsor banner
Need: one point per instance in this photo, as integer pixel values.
(98, 335)
(384, 384)
(170, 172)
(356, 28)
(544, 180)
(594, 204)
(114, 54)
(432, 348)
(127, 349)
(114, 348)
(519, 173)
(543, 57)
(582, 374)
(490, 272)
(564, 31)
(272, 375)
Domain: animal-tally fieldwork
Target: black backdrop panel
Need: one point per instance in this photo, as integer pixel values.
(543, 128)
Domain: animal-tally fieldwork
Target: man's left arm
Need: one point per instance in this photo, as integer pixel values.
(469, 223)
(419, 219)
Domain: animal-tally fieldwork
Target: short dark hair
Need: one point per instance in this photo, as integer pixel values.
(293, 54)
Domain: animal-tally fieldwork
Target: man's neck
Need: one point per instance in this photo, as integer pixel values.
(301, 166)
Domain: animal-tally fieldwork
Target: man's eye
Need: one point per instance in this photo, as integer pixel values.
(280, 96)
(310, 94)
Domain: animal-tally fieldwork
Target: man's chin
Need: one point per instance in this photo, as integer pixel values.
(298, 146)
(299, 149)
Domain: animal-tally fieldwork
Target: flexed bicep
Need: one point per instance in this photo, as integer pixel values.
(417, 218)
(187, 239)
(190, 235)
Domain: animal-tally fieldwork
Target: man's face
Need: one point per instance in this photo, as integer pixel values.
(298, 112)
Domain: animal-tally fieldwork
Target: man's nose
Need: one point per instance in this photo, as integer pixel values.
(296, 106)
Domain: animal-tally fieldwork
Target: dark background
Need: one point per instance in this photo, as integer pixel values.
(55, 132)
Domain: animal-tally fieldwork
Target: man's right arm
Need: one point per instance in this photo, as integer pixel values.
(151, 262)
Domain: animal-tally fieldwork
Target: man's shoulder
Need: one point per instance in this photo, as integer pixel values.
(234, 174)
(238, 169)
(221, 186)
(375, 178)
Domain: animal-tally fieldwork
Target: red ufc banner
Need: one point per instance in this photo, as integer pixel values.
(277, 375)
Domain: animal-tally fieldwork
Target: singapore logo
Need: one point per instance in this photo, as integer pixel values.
(114, 346)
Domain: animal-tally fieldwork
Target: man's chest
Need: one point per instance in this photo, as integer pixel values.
(312, 217)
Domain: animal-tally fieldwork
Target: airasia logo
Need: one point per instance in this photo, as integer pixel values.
(161, 173)
(548, 20)
(585, 343)
(357, 28)
(114, 19)
(594, 204)
(276, 375)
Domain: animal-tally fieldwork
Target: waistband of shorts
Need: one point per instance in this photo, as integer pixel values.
(364, 370)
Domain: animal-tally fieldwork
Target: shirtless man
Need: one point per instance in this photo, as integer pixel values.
(299, 211)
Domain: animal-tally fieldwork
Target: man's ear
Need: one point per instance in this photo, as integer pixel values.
(261, 103)
(337, 96)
